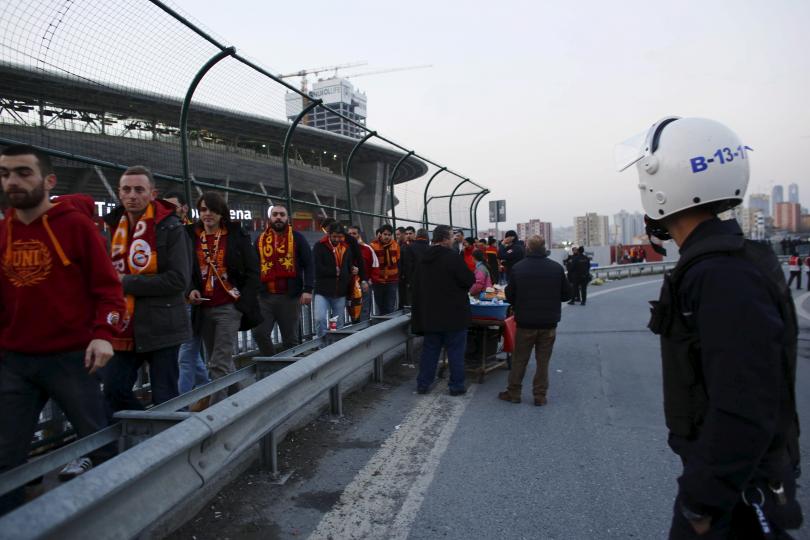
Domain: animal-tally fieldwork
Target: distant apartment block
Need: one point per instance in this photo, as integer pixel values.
(787, 216)
(535, 226)
(591, 230)
(627, 226)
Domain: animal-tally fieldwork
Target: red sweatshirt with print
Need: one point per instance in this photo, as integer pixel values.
(58, 289)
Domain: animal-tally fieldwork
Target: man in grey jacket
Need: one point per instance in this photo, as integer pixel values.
(152, 254)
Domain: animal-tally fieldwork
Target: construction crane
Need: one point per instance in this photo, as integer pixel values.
(304, 72)
(379, 71)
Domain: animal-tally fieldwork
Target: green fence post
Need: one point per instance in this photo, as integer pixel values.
(224, 53)
(391, 183)
(453, 194)
(369, 135)
(285, 153)
(425, 197)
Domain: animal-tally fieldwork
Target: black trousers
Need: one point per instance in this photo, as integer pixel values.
(122, 372)
(26, 383)
(798, 277)
(581, 290)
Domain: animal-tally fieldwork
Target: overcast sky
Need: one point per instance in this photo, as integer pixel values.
(529, 98)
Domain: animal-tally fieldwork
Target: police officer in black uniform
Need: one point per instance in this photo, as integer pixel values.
(728, 339)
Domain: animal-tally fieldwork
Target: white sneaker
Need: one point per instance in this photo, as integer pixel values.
(75, 468)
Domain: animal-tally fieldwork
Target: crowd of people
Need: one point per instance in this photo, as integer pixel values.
(76, 310)
(146, 285)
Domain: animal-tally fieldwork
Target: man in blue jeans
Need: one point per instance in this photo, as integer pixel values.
(441, 310)
(333, 269)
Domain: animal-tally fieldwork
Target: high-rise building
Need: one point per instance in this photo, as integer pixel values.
(787, 216)
(342, 97)
(793, 193)
(777, 196)
(627, 226)
(535, 226)
(760, 201)
(591, 230)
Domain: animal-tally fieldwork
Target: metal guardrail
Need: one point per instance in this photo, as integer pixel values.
(176, 453)
(628, 270)
(619, 271)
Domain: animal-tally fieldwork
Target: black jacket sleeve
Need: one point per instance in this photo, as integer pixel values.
(740, 333)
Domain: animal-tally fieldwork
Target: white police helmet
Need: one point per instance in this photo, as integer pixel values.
(686, 162)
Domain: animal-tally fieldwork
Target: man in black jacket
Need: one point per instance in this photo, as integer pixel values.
(333, 270)
(412, 253)
(728, 340)
(152, 254)
(441, 310)
(537, 288)
(510, 252)
(579, 272)
(287, 277)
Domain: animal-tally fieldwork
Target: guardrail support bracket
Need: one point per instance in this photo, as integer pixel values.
(336, 401)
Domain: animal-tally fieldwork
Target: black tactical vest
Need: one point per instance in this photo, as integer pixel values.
(685, 397)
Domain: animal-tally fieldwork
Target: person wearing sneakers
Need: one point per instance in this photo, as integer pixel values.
(61, 303)
(536, 289)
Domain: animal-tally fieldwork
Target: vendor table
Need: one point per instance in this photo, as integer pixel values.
(488, 362)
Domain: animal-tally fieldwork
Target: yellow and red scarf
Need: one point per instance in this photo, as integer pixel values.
(135, 254)
(276, 256)
(212, 266)
(388, 254)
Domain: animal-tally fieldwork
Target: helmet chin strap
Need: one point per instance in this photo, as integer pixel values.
(657, 234)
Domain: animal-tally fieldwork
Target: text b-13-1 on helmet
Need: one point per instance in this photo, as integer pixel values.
(683, 163)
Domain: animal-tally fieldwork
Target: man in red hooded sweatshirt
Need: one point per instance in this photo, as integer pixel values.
(60, 306)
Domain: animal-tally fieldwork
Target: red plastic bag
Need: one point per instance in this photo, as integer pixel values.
(509, 330)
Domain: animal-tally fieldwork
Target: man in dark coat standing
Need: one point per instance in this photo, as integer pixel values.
(510, 252)
(579, 274)
(441, 310)
(536, 290)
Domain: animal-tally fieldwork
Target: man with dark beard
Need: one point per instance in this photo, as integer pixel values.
(287, 275)
(60, 306)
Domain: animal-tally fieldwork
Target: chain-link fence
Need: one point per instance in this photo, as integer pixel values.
(103, 85)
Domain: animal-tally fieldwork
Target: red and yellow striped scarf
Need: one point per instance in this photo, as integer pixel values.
(135, 254)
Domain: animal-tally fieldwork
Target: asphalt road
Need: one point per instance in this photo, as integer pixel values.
(593, 463)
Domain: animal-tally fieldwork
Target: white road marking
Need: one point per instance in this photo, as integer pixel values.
(403, 468)
(614, 289)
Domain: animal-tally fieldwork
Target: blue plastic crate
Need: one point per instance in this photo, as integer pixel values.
(489, 310)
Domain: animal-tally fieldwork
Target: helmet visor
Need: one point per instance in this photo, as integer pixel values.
(630, 151)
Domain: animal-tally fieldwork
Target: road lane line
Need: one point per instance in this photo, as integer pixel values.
(384, 497)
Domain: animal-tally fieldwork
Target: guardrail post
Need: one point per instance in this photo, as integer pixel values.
(224, 53)
(378, 369)
(269, 453)
(336, 400)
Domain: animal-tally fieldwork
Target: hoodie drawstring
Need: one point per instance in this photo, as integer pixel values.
(56, 245)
